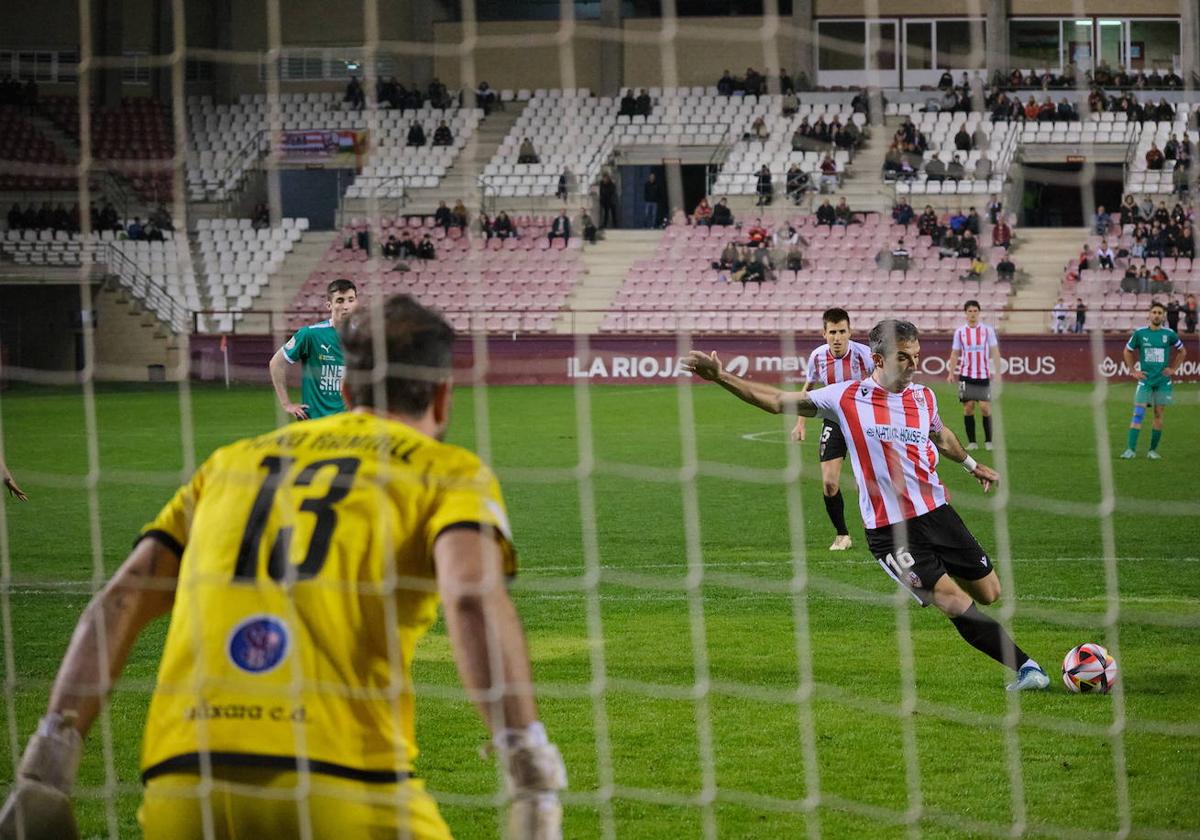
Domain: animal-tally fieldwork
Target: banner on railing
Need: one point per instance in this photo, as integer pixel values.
(558, 360)
(323, 147)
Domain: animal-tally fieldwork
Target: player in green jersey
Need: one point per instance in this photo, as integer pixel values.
(1159, 351)
(318, 348)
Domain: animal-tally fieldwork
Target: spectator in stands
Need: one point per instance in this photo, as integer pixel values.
(1155, 157)
(935, 170)
(109, 220)
(425, 249)
(503, 227)
(843, 138)
(441, 216)
(153, 234)
(459, 217)
(527, 153)
(764, 189)
(983, 167)
(1066, 111)
(1159, 282)
(1101, 221)
(442, 135)
(1130, 214)
(1185, 243)
(1105, 255)
(1143, 280)
(980, 140)
(1080, 315)
(566, 184)
(608, 201)
(829, 174)
(1001, 235)
(790, 103)
(725, 84)
(628, 104)
(945, 81)
(968, 246)
(1005, 270)
(135, 231)
(927, 223)
(994, 208)
(354, 94)
(560, 228)
(1032, 109)
(729, 256)
(1086, 259)
(1137, 248)
(644, 105)
(902, 212)
(261, 217)
(416, 134)
(1179, 216)
(843, 215)
(962, 140)
(797, 183)
(826, 214)
(722, 216)
(1173, 310)
(794, 260)
(1190, 314)
(702, 215)
(955, 170)
(1161, 215)
(14, 217)
(588, 227)
(759, 130)
(800, 137)
(485, 97)
(391, 248)
(651, 201)
(757, 234)
(1129, 282)
(977, 270)
(755, 83)
(43, 218)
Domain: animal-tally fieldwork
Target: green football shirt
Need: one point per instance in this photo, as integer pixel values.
(1154, 351)
(318, 348)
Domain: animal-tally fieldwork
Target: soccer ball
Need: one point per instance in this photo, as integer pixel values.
(1089, 668)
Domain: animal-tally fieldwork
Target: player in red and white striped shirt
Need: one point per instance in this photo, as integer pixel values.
(974, 357)
(837, 360)
(895, 435)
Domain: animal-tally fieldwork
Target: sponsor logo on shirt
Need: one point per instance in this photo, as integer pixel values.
(895, 434)
(258, 644)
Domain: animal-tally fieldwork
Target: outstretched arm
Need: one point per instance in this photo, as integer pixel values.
(950, 446)
(767, 397)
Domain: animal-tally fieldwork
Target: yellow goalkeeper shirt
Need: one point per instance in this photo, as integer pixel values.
(306, 579)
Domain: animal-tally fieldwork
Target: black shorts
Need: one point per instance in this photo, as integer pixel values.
(833, 442)
(974, 389)
(919, 551)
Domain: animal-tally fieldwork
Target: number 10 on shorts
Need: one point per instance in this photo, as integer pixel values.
(899, 563)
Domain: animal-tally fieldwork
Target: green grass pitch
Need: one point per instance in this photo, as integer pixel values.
(741, 623)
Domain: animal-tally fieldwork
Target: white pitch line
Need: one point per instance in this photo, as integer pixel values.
(840, 561)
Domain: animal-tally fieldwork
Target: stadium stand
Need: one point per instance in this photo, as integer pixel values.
(29, 160)
(679, 289)
(568, 128)
(228, 141)
(739, 174)
(684, 116)
(940, 129)
(493, 285)
(237, 262)
(1141, 178)
(134, 139)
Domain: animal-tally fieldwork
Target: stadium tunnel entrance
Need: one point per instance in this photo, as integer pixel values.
(681, 185)
(1057, 194)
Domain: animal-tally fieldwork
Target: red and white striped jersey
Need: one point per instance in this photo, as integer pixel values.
(974, 346)
(895, 463)
(825, 368)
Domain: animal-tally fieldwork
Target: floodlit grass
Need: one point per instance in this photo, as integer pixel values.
(658, 518)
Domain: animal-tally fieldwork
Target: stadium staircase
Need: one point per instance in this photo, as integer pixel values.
(285, 283)
(129, 338)
(605, 265)
(1041, 253)
(461, 180)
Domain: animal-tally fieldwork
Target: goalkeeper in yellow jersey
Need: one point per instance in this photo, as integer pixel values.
(300, 568)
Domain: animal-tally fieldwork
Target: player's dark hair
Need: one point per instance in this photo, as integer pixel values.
(340, 285)
(1154, 304)
(835, 315)
(887, 334)
(419, 346)
(971, 303)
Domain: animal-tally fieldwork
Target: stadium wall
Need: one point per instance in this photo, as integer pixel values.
(558, 360)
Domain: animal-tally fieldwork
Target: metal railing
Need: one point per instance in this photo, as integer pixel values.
(156, 298)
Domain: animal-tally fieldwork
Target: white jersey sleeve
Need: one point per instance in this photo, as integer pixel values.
(828, 399)
(958, 343)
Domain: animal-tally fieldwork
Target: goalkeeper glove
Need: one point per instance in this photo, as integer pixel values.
(39, 806)
(534, 774)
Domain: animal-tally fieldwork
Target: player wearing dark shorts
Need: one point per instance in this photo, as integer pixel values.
(973, 354)
(837, 360)
(893, 433)
(919, 551)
